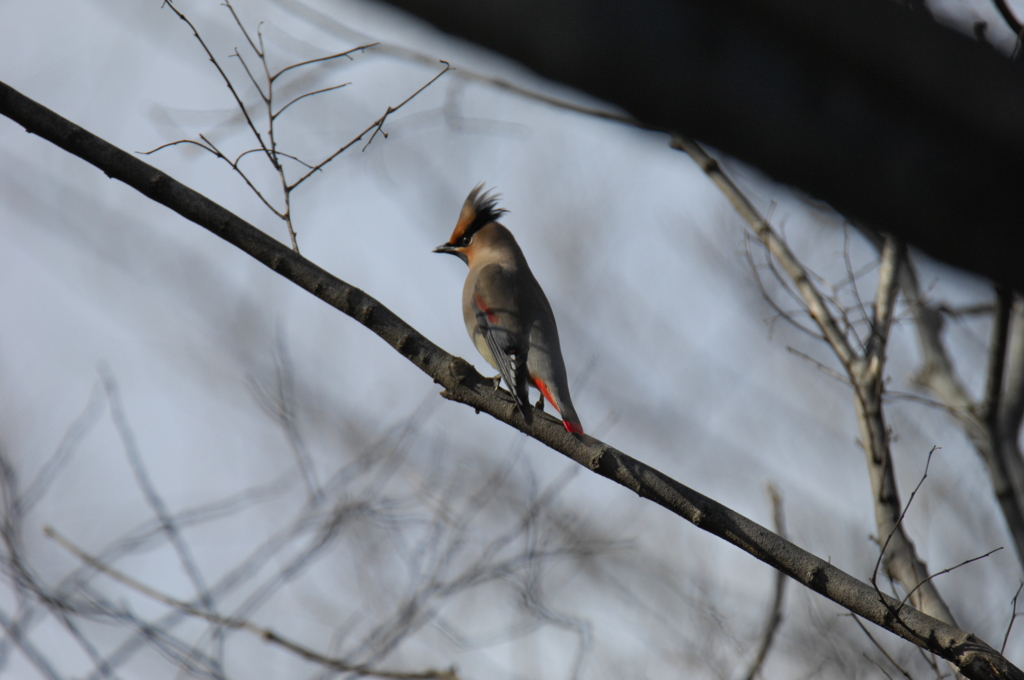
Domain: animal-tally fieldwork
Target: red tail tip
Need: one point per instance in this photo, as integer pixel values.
(573, 428)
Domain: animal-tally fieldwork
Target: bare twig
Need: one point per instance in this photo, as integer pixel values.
(264, 86)
(300, 98)
(949, 569)
(851, 276)
(903, 514)
(156, 503)
(149, 490)
(891, 395)
(774, 620)
(240, 624)
(882, 649)
(779, 249)
(989, 407)
(260, 52)
(1013, 617)
(376, 126)
(320, 60)
(969, 310)
(278, 401)
(885, 305)
(786, 315)
(223, 75)
(830, 372)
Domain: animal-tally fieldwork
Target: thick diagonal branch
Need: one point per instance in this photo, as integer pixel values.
(974, 657)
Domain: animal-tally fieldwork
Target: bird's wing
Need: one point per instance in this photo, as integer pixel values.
(504, 331)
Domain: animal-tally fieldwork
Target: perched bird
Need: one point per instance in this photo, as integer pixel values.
(507, 315)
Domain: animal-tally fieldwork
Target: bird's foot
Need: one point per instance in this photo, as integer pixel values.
(497, 381)
(540, 403)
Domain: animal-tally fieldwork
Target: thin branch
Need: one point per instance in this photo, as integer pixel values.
(234, 623)
(279, 153)
(463, 384)
(252, 78)
(1013, 617)
(934, 664)
(851, 276)
(884, 546)
(880, 648)
(891, 395)
(238, 169)
(34, 655)
(981, 309)
(347, 53)
(885, 304)
(989, 408)
(145, 484)
(79, 428)
(949, 569)
(835, 375)
(1012, 400)
(776, 246)
(181, 141)
(303, 96)
(258, 50)
(375, 127)
(780, 313)
(775, 614)
(877, 665)
(994, 435)
(227, 81)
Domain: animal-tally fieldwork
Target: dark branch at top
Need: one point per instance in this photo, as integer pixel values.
(891, 118)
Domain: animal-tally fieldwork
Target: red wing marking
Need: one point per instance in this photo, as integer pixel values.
(491, 316)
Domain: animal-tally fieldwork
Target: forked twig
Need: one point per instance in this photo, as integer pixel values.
(375, 127)
(223, 75)
(267, 143)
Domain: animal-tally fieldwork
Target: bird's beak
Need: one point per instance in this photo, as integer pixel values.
(452, 250)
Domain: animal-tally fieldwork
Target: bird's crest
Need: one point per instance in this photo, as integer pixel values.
(484, 204)
(480, 209)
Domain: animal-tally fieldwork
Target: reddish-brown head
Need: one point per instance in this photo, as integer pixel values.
(479, 210)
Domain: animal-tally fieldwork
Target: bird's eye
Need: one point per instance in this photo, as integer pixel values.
(464, 241)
